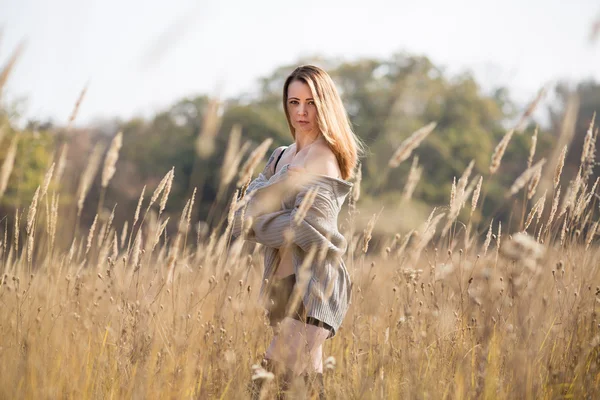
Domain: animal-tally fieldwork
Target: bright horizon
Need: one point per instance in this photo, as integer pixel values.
(141, 60)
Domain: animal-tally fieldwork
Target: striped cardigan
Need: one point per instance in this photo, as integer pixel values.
(328, 289)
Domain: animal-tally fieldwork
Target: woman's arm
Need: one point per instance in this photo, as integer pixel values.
(315, 229)
(273, 229)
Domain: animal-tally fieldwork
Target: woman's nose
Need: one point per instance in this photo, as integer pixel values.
(301, 109)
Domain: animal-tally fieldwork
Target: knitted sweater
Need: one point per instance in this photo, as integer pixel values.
(323, 274)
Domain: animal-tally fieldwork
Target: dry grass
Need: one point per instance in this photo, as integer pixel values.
(406, 148)
(7, 165)
(425, 322)
(105, 318)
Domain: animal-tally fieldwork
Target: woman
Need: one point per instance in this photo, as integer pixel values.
(306, 285)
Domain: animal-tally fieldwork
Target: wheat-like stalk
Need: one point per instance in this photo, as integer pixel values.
(232, 169)
(305, 205)
(541, 208)
(571, 195)
(425, 234)
(205, 144)
(584, 199)
(61, 164)
(533, 183)
(47, 179)
(252, 161)
(590, 235)
(71, 252)
(554, 207)
(181, 226)
(404, 243)
(124, 233)
(591, 193)
(530, 109)
(30, 241)
(302, 282)
(90, 236)
(32, 212)
(53, 218)
(137, 249)
(8, 164)
(115, 246)
(357, 182)
(406, 148)
(588, 155)
(532, 148)
(567, 130)
(525, 177)
(17, 229)
(136, 215)
(111, 159)
(367, 234)
(488, 239)
(159, 189)
(499, 152)
(414, 175)
(459, 197)
(232, 208)
(453, 193)
(167, 191)
(537, 209)
(499, 236)
(76, 107)
(476, 194)
(232, 156)
(30, 229)
(189, 213)
(559, 166)
(159, 232)
(587, 141)
(88, 176)
(464, 178)
(563, 232)
(5, 73)
(101, 238)
(111, 218)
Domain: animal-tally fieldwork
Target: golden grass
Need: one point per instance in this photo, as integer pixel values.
(157, 318)
(516, 323)
(406, 148)
(7, 165)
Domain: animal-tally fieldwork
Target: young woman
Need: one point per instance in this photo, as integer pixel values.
(305, 285)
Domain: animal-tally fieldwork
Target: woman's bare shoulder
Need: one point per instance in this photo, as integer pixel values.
(321, 160)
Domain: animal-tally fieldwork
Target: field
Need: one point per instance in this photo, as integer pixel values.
(449, 310)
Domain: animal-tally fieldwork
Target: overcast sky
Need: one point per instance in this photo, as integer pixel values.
(141, 55)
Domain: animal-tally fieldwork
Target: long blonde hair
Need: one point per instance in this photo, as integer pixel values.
(332, 119)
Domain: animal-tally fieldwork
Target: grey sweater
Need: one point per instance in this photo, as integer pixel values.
(326, 279)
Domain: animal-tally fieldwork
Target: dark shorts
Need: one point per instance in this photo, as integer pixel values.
(280, 293)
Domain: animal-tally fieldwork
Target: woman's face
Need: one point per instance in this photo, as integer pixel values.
(301, 107)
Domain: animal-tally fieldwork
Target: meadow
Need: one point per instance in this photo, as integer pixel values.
(456, 308)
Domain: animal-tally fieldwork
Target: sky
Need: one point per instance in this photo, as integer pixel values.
(140, 56)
